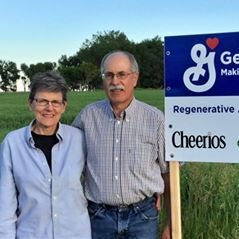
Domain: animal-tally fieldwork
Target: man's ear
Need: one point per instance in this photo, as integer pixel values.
(136, 78)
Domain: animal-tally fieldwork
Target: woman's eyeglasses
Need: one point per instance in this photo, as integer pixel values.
(45, 102)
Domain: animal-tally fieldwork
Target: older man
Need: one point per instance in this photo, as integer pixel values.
(126, 171)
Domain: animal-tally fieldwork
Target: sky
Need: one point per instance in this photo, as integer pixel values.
(44, 30)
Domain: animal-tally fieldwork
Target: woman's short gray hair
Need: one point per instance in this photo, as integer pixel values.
(50, 81)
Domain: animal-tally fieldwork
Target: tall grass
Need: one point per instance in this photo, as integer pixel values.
(210, 198)
(209, 191)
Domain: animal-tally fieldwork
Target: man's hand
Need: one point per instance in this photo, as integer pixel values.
(158, 204)
(166, 233)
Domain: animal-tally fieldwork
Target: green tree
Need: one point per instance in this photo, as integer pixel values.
(73, 76)
(149, 54)
(80, 77)
(29, 71)
(102, 43)
(24, 68)
(9, 75)
(89, 56)
(69, 61)
(91, 74)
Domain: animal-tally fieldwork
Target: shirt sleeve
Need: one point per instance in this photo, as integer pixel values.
(161, 146)
(77, 122)
(8, 194)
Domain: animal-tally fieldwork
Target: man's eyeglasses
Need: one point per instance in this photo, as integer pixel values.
(45, 102)
(121, 75)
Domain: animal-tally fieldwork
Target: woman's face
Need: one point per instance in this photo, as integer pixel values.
(47, 108)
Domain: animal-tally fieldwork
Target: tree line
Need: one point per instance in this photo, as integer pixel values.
(83, 68)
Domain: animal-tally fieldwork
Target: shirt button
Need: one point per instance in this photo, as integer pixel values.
(116, 158)
(117, 195)
(116, 177)
(55, 215)
(49, 180)
(117, 141)
(118, 122)
(54, 197)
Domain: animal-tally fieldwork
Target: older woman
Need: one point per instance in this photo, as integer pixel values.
(41, 195)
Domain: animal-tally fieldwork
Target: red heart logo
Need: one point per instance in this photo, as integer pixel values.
(212, 42)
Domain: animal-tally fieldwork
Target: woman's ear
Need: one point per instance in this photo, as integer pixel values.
(64, 106)
(30, 105)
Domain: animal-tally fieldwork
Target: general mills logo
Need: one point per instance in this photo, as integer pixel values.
(204, 62)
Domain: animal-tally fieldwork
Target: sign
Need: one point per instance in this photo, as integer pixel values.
(202, 98)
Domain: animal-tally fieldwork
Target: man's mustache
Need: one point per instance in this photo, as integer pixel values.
(116, 87)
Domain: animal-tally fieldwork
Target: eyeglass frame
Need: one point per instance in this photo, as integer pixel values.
(44, 102)
(121, 75)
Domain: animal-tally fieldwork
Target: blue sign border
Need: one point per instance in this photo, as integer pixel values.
(178, 59)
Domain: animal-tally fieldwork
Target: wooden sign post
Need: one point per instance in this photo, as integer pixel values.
(175, 200)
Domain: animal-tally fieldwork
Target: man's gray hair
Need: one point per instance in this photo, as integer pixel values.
(134, 65)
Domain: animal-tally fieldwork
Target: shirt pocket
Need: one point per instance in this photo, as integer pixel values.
(144, 153)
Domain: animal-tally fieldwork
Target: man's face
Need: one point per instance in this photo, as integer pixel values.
(119, 81)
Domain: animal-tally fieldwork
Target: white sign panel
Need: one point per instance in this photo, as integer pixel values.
(202, 98)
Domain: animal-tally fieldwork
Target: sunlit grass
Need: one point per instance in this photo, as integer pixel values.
(14, 111)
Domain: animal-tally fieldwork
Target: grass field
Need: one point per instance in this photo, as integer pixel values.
(209, 192)
(14, 111)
